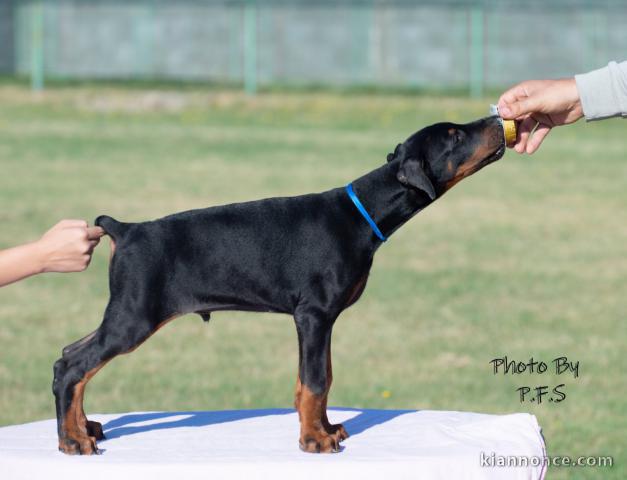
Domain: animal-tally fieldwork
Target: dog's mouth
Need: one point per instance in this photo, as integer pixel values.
(497, 155)
(493, 157)
(496, 136)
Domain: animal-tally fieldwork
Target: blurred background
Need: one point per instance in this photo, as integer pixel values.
(448, 44)
(138, 109)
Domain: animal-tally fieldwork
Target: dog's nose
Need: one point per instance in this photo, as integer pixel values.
(509, 126)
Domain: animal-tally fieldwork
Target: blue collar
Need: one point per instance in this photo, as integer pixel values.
(364, 213)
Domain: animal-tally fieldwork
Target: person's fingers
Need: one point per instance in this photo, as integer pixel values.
(524, 130)
(92, 245)
(522, 107)
(94, 232)
(512, 97)
(505, 111)
(86, 259)
(513, 94)
(538, 136)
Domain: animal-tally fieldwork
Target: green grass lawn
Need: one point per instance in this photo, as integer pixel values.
(528, 258)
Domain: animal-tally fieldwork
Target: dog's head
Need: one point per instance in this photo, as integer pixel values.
(437, 157)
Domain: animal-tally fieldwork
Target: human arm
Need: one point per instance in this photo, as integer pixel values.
(603, 92)
(544, 104)
(66, 247)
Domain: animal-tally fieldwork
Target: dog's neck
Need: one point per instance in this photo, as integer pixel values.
(389, 203)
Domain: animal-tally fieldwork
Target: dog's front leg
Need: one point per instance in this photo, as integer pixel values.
(335, 429)
(313, 383)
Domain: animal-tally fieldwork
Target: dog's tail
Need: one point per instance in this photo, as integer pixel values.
(116, 230)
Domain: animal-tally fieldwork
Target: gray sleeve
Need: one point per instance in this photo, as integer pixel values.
(603, 92)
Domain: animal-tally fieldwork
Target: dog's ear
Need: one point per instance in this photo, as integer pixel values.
(392, 156)
(411, 173)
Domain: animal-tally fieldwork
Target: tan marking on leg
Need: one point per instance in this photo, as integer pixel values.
(313, 437)
(337, 429)
(93, 429)
(75, 423)
(325, 420)
(297, 394)
(317, 434)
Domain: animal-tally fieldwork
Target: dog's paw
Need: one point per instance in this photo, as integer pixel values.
(319, 442)
(94, 429)
(338, 431)
(79, 446)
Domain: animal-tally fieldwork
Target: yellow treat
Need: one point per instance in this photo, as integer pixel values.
(509, 129)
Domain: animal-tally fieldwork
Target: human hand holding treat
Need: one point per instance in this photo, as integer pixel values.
(537, 106)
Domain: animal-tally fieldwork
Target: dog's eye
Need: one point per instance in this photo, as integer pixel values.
(455, 135)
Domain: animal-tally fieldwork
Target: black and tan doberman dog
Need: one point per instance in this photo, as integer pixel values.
(307, 256)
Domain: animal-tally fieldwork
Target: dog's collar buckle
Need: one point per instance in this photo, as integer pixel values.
(364, 213)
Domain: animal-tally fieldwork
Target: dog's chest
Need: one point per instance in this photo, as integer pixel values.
(357, 290)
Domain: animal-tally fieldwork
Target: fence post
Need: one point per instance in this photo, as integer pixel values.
(37, 47)
(476, 50)
(250, 47)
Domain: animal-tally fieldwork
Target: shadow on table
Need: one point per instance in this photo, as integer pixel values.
(123, 425)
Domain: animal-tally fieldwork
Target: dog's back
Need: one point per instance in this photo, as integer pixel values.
(259, 255)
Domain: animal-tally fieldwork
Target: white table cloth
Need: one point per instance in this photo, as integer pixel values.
(384, 444)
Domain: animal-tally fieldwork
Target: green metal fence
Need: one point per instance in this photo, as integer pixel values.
(426, 44)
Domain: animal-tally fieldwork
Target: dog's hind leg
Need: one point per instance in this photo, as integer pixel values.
(94, 429)
(71, 374)
(121, 332)
(313, 383)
